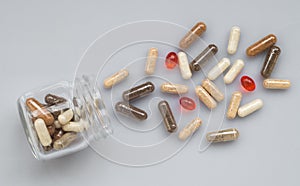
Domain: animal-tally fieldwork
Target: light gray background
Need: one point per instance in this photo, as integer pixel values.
(41, 42)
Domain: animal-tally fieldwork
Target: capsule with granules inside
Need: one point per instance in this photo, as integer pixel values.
(205, 97)
(270, 61)
(64, 141)
(234, 71)
(192, 35)
(223, 135)
(234, 104)
(138, 91)
(234, 39)
(167, 116)
(190, 129)
(203, 57)
(261, 45)
(151, 61)
(39, 111)
(115, 78)
(218, 69)
(213, 90)
(184, 67)
(174, 88)
(276, 83)
(130, 111)
(42, 132)
(250, 107)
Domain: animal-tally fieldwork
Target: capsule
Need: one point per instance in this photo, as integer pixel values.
(213, 90)
(151, 61)
(64, 141)
(270, 61)
(116, 78)
(234, 39)
(131, 111)
(250, 107)
(52, 99)
(192, 35)
(51, 129)
(234, 104)
(58, 134)
(73, 126)
(248, 83)
(184, 67)
(174, 88)
(171, 60)
(65, 117)
(205, 97)
(138, 91)
(234, 71)
(39, 111)
(218, 69)
(203, 57)
(190, 129)
(276, 83)
(167, 115)
(42, 132)
(223, 135)
(187, 103)
(261, 45)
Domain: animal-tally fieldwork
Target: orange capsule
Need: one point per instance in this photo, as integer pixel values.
(39, 111)
(261, 45)
(192, 35)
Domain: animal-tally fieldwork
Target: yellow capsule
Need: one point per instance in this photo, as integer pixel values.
(65, 117)
(276, 83)
(213, 90)
(234, 104)
(234, 71)
(184, 66)
(223, 135)
(217, 70)
(151, 61)
(115, 78)
(174, 88)
(234, 40)
(205, 97)
(64, 141)
(250, 107)
(42, 132)
(190, 129)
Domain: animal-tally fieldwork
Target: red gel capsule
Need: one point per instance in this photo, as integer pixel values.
(187, 103)
(248, 83)
(171, 60)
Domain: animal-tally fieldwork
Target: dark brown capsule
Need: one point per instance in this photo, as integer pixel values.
(138, 91)
(131, 111)
(39, 111)
(261, 45)
(167, 115)
(51, 129)
(52, 99)
(192, 35)
(203, 57)
(270, 61)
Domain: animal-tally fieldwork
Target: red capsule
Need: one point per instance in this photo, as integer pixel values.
(248, 83)
(171, 60)
(187, 103)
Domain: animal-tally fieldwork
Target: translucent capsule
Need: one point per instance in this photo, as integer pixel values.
(184, 66)
(270, 61)
(174, 88)
(223, 135)
(39, 111)
(218, 69)
(212, 89)
(234, 71)
(167, 115)
(250, 107)
(42, 132)
(171, 60)
(203, 57)
(248, 83)
(261, 45)
(116, 78)
(138, 91)
(276, 83)
(131, 111)
(64, 141)
(234, 39)
(190, 129)
(65, 117)
(192, 35)
(74, 126)
(234, 104)
(205, 97)
(187, 103)
(52, 99)
(151, 61)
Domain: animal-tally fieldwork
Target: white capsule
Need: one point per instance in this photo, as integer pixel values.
(218, 69)
(234, 71)
(42, 132)
(57, 124)
(213, 90)
(174, 88)
(151, 61)
(234, 39)
(190, 129)
(65, 117)
(74, 126)
(184, 66)
(250, 107)
(115, 78)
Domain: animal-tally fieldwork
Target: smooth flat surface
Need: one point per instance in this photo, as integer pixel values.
(42, 42)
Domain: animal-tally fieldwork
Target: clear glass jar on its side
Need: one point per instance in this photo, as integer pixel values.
(83, 99)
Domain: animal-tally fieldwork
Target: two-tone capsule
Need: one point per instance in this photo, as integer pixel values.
(250, 107)
(234, 104)
(212, 89)
(190, 129)
(276, 84)
(234, 71)
(261, 45)
(223, 135)
(174, 88)
(234, 39)
(138, 91)
(270, 61)
(192, 35)
(116, 78)
(205, 97)
(167, 116)
(203, 57)
(218, 69)
(130, 111)
(151, 61)
(184, 67)
(39, 111)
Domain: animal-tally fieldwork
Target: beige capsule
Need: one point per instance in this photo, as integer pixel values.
(151, 61)
(234, 39)
(276, 84)
(234, 104)
(65, 117)
(190, 129)
(218, 69)
(223, 135)
(42, 132)
(205, 97)
(250, 107)
(64, 141)
(174, 88)
(234, 71)
(57, 124)
(74, 126)
(116, 78)
(184, 66)
(212, 89)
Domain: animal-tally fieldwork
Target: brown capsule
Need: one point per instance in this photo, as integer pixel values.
(39, 111)
(167, 115)
(131, 111)
(64, 141)
(203, 57)
(51, 129)
(138, 91)
(58, 134)
(52, 99)
(223, 135)
(192, 35)
(261, 45)
(270, 61)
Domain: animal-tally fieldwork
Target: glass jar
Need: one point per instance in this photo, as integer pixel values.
(66, 120)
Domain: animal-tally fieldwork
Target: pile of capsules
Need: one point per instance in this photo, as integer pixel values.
(207, 92)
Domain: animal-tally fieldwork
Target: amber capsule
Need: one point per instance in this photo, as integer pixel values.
(192, 35)
(131, 111)
(223, 135)
(167, 115)
(234, 105)
(138, 91)
(261, 45)
(203, 57)
(64, 141)
(205, 97)
(276, 83)
(212, 89)
(190, 129)
(39, 111)
(270, 61)
(115, 78)
(174, 88)
(151, 61)
(52, 99)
